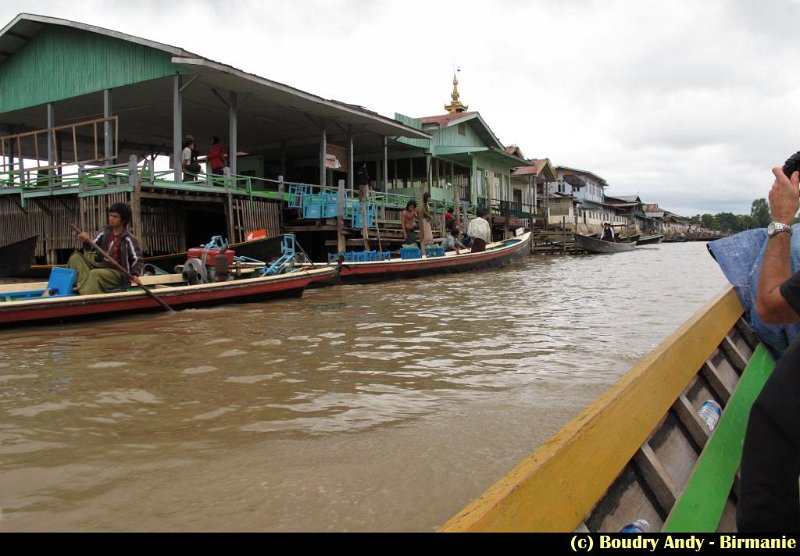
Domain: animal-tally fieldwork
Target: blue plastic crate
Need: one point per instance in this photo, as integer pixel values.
(312, 210)
(358, 217)
(410, 253)
(330, 210)
(385, 255)
(334, 257)
(435, 252)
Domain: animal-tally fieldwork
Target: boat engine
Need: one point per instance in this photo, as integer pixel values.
(194, 272)
(214, 258)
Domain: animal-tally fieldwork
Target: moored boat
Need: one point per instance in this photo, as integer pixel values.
(496, 254)
(594, 245)
(650, 240)
(642, 451)
(16, 257)
(171, 288)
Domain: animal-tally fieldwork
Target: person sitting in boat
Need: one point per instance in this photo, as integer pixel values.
(407, 223)
(608, 233)
(451, 242)
(480, 231)
(95, 275)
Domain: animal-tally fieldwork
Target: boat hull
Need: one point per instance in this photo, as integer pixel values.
(650, 240)
(502, 254)
(594, 245)
(16, 258)
(58, 309)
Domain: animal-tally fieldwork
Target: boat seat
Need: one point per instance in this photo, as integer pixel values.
(59, 284)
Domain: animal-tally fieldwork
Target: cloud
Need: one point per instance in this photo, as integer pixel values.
(687, 103)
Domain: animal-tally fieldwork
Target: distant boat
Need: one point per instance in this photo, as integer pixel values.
(594, 245)
(16, 258)
(650, 240)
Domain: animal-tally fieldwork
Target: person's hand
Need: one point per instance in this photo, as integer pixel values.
(84, 237)
(136, 280)
(784, 197)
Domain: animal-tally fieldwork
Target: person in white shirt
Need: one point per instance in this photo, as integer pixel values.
(479, 228)
(188, 161)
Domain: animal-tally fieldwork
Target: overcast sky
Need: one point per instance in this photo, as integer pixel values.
(685, 103)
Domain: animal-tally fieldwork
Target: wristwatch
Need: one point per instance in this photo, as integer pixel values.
(776, 228)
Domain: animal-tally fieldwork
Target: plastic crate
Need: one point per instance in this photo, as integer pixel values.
(410, 253)
(435, 252)
(312, 210)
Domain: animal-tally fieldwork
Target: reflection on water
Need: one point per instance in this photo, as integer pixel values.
(377, 407)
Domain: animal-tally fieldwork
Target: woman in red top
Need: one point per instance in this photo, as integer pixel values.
(216, 156)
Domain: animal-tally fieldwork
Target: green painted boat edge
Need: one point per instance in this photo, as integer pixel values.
(700, 507)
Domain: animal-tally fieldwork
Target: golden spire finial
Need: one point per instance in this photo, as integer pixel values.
(455, 105)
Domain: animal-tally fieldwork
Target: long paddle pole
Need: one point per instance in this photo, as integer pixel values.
(119, 267)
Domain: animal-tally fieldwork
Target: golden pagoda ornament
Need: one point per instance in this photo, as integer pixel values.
(455, 106)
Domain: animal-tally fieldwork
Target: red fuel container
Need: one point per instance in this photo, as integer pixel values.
(197, 253)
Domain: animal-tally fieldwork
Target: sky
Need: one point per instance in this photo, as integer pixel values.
(687, 104)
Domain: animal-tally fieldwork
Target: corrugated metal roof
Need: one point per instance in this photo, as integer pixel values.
(25, 27)
(567, 170)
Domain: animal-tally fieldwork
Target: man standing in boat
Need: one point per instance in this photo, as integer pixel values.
(769, 495)
(479, 229)
(608, 232)
(95, 275)
(407, 218)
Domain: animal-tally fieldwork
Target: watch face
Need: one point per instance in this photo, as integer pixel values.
(775, 228)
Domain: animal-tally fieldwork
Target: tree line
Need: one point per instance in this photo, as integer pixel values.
(729, 223)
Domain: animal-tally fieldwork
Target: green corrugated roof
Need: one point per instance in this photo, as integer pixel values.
(60, 62)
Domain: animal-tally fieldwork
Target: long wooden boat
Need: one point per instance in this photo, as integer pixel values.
(171, 288)
(594, 245)
(650, 240)
(16, 257)
(496, 255)
(641, 451)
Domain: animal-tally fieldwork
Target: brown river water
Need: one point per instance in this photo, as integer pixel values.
(384, 407)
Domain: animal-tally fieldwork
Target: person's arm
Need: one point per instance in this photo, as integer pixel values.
(784, 201)
(135, 259)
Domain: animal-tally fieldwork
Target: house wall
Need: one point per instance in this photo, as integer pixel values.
(495, 180)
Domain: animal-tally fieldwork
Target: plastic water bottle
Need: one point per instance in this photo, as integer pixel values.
(709, 412)
(638, 526)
